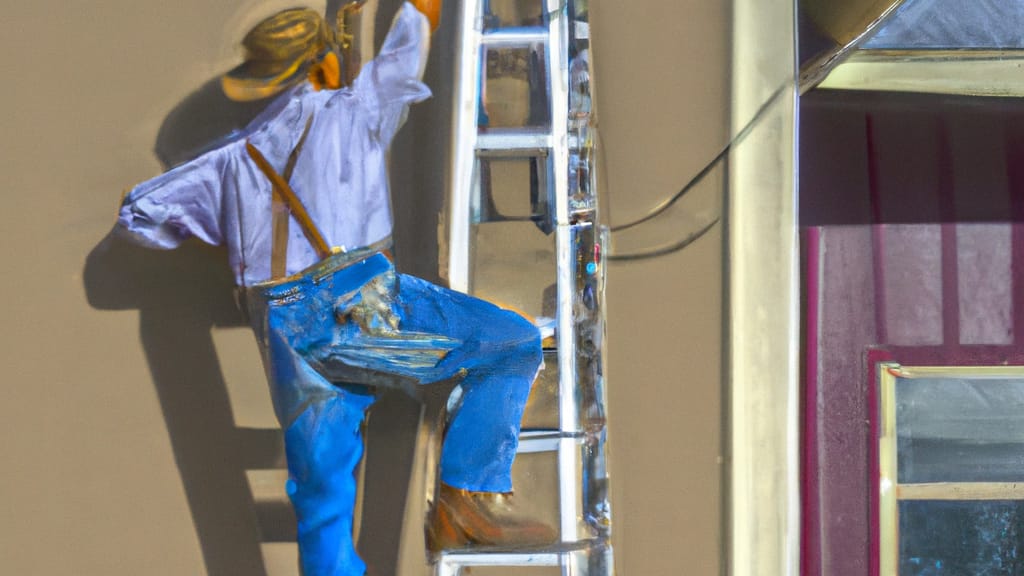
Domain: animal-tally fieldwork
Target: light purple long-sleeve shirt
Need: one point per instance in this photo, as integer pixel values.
(222, 197)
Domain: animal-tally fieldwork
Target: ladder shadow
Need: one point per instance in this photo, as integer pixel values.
(181, 296)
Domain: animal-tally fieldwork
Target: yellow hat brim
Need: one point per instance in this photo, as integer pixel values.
(241, 85)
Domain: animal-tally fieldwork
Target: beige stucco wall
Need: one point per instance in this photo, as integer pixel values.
(118, 442)
(662, 82)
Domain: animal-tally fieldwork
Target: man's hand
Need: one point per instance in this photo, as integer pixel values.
(431, 9)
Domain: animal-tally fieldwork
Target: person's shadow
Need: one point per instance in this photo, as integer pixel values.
(181, 296)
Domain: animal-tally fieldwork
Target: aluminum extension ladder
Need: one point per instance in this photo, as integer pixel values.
(554, 143)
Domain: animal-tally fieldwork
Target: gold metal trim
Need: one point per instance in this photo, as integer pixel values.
(888, 513)
(959, 72)
(961, 491)
(958, 371)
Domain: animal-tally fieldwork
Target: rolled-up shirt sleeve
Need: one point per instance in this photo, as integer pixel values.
(392, 80)
(181, 203)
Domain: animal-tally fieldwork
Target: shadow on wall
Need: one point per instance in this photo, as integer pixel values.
(181, 295)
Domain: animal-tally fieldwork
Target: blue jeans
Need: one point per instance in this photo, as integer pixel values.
(345, 322)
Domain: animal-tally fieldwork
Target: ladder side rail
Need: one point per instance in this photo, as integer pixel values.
(464, 136)
(558, 86)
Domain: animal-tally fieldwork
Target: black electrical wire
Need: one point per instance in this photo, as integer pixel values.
(668, 248)
(697, 179)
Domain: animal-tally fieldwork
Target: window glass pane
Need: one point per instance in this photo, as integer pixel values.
(993, 24)
(960, 430)
(980, 538)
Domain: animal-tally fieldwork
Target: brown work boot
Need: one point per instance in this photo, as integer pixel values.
(461, 518)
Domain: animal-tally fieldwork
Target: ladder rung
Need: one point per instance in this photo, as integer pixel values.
(524, 36)
(501, 558)
(513, 140)
(546, 556)
(545, 440)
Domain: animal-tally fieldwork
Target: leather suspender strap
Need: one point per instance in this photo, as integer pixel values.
(294, 205)
(280, 214)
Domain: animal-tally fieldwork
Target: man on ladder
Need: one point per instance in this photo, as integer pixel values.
(300, 198)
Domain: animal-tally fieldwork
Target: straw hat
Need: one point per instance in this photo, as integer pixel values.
(278, 53)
